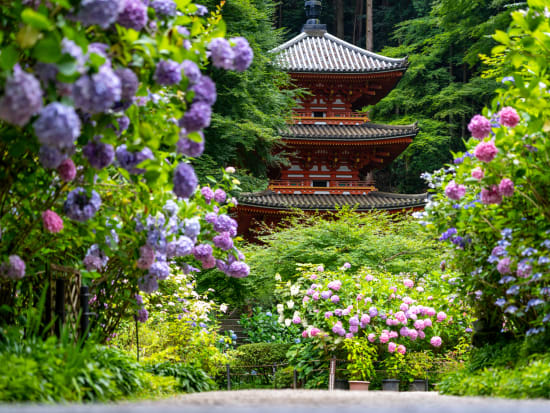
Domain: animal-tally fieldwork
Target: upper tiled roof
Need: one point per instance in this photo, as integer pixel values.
(373, 200)
(366, 131)
(323, 52)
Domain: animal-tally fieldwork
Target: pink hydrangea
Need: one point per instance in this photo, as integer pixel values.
(393, 289)
(404, 331)
(335, 285)
(401, 349)
(430, 312)
(52, 222)
(427, 323)
(486, 151)
(67, 170)
(479, 126)
(408, 283)
(478, 173)
(305, 299)
(408, 300)
(420, 289)
(305, 334)
(441, 316)
(421, 335)
(503, 266)
(435, 341)
(315, 296)
(384, 338)
(404, 307)
(506, 187)
(491, 195)
(394, 334)
(359, 297)
(314, 331)
(455, 191)
(392, 347)
(371, 337)
(508, 117)
(369, 277)
(401, 317)
(413, 334)
(334, 298)
(296, 319)
(419, 324)
(320, 268)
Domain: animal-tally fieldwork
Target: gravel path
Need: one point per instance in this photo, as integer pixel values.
(303, 401)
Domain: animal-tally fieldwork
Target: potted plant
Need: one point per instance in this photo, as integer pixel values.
(417, 366)
(361, 356)
(394, 365)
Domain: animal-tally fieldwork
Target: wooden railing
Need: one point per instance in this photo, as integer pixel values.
(332, 184)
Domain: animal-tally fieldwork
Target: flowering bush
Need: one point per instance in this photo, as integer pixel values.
(395, 313)
(498, 229)
(101, 104)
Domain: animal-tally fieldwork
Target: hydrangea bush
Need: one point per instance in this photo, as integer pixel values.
(102, 104)
(395, 313)
(491, 206)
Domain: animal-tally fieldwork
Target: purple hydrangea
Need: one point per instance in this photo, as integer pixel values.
(81, 207)
(50, 157)
(22, 98)
(14, 268)
(224, 223)
(180, 247)
(221, 53)
(202, 252)
(243, 54)
(148, 284)
(100, 12)
(129, 160)
(97, 93)
(142, 315)
(133, 15)
(123, 124)
(211, 217)
(167, 73)
(220, 196)
(146, 257)
(238, 269)
(99, 154)
(160, 270)
(205, 91)
(185, 180)
(197, 117)
(129, 83)
(191, 70)
(207, 194)
(201, 10)
(223, 241)
(95, 259)
(58, 125)
(75, 51)
(100, 49)
(164, 7)
(188, 147)
(503, 266)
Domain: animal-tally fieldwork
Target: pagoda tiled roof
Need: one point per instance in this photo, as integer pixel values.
(323, 202)
(363, 132)
(319, 51)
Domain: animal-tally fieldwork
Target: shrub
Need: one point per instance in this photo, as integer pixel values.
(284, 378)
(260, 354)
(263, 327)
(189, 379)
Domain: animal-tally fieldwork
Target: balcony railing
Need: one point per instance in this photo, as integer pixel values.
(335, 186)
(345, 118)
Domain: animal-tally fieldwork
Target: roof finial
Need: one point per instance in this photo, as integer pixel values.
(313, 25)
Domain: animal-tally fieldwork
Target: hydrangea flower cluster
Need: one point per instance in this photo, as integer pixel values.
(81, 207)
(237, 57)
(22, 98)
(14, 268)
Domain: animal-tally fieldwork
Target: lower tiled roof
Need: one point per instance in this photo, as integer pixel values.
(366, 131)
(373, 200)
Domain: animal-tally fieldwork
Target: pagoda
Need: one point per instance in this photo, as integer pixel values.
(334, 147)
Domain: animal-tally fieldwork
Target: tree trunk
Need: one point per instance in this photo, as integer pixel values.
(369, 26)
(358, 22)
(339, 5)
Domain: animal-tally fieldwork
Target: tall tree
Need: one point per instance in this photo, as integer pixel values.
(339, 17)
(370, 40)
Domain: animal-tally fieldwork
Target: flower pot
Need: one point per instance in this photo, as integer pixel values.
(390, 385)
(359, 385)
(341, 384)
(419, 385)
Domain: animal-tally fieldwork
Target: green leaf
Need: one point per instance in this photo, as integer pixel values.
(36, 20)
(195, 137)
(8, 57)
(47, 50)
(196, 29)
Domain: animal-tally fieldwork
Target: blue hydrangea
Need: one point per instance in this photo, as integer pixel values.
(75, 51)
(100, 12)
(188, 147)
(170, 207)
(99, 154)
(81, 207)
(185, 181)
(160, 269)
(130, 160)
(448, 234)
(97, 93)
(500, 302)
(133, 15)
(191, 71)
(223, 241)
(224, 223)
(238, 270)
(164, 7)
(50, 157)
(197, 117)
(205, 91)
(180, 247)
(243, 54)
(129, 85)
(513, 290)
(221, 53)
(201, 10)
(58, 126)
(22, 98)
(167, 73)
(148, 283)
(192, 227)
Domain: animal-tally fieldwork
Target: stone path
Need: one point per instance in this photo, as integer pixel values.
(303, 401)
